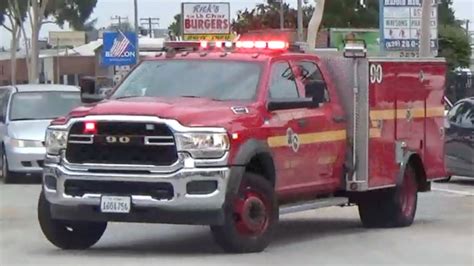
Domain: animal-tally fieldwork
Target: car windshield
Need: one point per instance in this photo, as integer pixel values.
(214, 79)
(42, 105)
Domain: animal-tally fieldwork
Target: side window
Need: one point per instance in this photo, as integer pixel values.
(4, 97)
(313, 81)
(467, 117)
(455, 115)
(282, 82)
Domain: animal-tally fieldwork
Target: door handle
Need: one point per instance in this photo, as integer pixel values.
(302, 122)
(339, 119)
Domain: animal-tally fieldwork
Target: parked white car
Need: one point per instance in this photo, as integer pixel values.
(26, 112)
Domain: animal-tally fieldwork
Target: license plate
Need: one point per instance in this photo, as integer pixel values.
(115, 204)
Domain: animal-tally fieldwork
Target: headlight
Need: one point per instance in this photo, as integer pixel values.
(202, 145)
(56, 140)
(20, 143)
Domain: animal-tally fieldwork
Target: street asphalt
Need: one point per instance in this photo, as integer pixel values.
(443, 234)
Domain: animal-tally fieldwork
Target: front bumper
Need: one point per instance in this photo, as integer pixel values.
(25, 160)
(182, 208)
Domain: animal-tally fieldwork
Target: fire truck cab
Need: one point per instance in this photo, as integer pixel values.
(233, 135)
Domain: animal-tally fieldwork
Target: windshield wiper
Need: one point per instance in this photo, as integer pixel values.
(202, 97)
(26, 119)
(127, 97)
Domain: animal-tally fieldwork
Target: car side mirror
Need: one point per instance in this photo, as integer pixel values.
(88, 94)
(288, 104)
(316, 90)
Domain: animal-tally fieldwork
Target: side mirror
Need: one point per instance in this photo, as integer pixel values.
(88, 94)
(316, 90)
(355, 48)
(287, 104)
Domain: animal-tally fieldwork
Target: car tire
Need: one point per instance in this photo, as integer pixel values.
(7, 175)
(394, 207)
(250, 217)
(73, 235)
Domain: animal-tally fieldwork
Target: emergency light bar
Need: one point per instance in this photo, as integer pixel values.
(253, 46)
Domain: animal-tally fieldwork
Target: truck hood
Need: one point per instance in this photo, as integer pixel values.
(28, 130)
(188, 111)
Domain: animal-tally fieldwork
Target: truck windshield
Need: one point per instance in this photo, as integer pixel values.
(42, 105)
(217, 80)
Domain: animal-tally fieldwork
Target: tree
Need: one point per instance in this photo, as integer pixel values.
(90, 25)
(175, 27)
(453, 40)
(40, 12)
(454, 46)
(337, 13)
(13, 11)
(446, 13)
(349, 14)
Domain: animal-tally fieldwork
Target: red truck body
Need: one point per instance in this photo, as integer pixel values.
(380, 119)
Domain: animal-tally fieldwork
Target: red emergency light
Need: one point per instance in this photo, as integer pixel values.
(246, 45)
(90, 128)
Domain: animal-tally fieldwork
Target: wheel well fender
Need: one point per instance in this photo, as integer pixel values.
(256, 156)
(414, 160)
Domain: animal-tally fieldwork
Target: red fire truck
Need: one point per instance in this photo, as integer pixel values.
(233, 135)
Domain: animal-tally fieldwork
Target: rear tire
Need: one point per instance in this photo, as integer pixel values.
(392, 207)
(68, 234)
(250, 217)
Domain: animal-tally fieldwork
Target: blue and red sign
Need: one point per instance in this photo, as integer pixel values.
(119, 48)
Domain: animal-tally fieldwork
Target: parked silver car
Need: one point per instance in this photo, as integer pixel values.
(26, 111)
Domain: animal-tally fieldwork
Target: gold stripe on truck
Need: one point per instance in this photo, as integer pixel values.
(308, 138)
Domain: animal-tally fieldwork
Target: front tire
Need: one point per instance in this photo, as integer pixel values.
(7, 175)
(68, 234)
(393, 207)
(250, 217)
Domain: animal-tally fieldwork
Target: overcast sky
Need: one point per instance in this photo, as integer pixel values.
(167, 9)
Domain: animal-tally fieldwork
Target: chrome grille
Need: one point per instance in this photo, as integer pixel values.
(124, 143)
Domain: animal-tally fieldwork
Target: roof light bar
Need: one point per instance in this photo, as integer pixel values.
(278, 45)
(259, 45)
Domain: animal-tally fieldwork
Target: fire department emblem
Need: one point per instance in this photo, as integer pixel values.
(293, 140)
(421, 76)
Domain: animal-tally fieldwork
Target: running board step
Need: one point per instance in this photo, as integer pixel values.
(314, 204)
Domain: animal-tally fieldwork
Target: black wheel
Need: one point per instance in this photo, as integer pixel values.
(444, 180)
(7, 175)
(393, 207)
(250, 217)
(68, 234)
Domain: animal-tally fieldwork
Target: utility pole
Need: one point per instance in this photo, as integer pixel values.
(282, 14)
(425, 36)
(300, 21)
(119, 20)
(150, 22)
(137, 48)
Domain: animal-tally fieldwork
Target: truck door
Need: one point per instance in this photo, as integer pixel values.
(323, 132)
(284, 130)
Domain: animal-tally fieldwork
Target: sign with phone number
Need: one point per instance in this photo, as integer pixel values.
(411, 44)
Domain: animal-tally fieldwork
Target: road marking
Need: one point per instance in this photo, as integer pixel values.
(458, 192)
